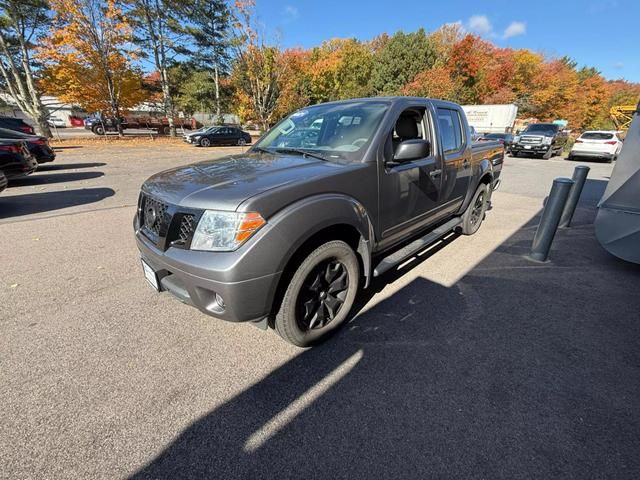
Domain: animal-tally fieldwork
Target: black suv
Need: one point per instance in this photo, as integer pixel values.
(17, 124)
(543, 139)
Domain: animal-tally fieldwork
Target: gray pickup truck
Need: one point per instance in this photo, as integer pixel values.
(286, 234)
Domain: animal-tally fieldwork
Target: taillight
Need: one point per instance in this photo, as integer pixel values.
(27, 129)
(40, 141)
(9, 148)
(611, 142)
(578, 141)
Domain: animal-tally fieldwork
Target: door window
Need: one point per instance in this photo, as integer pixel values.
(450, 129)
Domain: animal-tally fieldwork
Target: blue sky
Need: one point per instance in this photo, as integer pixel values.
(599, 33)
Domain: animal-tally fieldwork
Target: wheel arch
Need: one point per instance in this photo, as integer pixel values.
(338, 218)
(484, 176)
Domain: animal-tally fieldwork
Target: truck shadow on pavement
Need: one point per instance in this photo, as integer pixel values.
(518, 370)
(30, 203)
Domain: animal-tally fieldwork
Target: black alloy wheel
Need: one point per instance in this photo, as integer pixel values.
(477, 212)
(319, 295)
(322, 295)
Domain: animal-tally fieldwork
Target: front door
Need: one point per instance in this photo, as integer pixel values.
(409, 191)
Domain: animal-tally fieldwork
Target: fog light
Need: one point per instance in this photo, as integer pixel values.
(220, 301)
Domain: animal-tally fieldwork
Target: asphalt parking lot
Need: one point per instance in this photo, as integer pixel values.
(470, 362)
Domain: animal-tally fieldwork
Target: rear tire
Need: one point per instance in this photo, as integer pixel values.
(242, 142)
(320, 294)
(474, 214)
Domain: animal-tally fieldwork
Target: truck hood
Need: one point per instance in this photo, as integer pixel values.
(225, 183)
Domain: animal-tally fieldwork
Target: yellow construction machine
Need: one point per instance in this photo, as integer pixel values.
(622, 115)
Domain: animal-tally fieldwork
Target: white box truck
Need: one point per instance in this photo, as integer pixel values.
(491, 118)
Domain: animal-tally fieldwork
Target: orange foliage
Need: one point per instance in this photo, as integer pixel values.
(84, 59)
(434, 83)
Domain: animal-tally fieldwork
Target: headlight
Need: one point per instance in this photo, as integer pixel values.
(516, 139)
(225, 231)
(547, 140)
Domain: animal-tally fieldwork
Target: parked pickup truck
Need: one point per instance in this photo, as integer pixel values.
(543, 139)
(100, 124)
(285, 234)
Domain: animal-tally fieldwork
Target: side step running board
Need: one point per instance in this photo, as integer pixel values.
(416, 246)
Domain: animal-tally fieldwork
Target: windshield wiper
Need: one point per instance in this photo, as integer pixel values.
(260, 150)
(299, 151)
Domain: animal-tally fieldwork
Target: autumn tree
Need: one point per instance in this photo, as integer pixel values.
(158, 32)
(257, 66)
(208, 24)
(21, 23)
(295, 87)
(340, 68)
(468, 64)
(592, 99)
(443, 40)
(555, 92)
(527, 65)
(433, 83)
(87, 58)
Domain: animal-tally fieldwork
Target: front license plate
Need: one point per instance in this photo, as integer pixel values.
(150, 275)
(528, 147)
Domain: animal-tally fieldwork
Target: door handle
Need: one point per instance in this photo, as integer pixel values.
(435, 173)
(466, 163)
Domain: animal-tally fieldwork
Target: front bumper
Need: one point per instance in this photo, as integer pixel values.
(532, 149)
(183, 274)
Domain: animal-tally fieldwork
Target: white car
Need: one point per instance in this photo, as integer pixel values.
(56, 122)
(602, 144)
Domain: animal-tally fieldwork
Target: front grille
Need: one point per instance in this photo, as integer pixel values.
(166, 225)
(531, 140)
(153, 214)
(187, 227)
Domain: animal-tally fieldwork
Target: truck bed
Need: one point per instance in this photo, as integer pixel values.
(492, 151)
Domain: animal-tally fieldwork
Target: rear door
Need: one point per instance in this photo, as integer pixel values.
(456, 155)
(234, 136)
(227, 135)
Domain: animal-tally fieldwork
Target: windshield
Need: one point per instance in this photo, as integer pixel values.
(597, 136)
(541, 127)
(332, 131)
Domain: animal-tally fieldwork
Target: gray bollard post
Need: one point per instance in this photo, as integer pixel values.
(550, 219)
(579, 177)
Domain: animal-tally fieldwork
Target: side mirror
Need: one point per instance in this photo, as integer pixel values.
(412, 150)
(517, 132)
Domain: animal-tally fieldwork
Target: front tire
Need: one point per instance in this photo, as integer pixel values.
(205, 142)
(320, 294)
(548, 154)
(98, 130)
(474, 214)
(242, 142)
